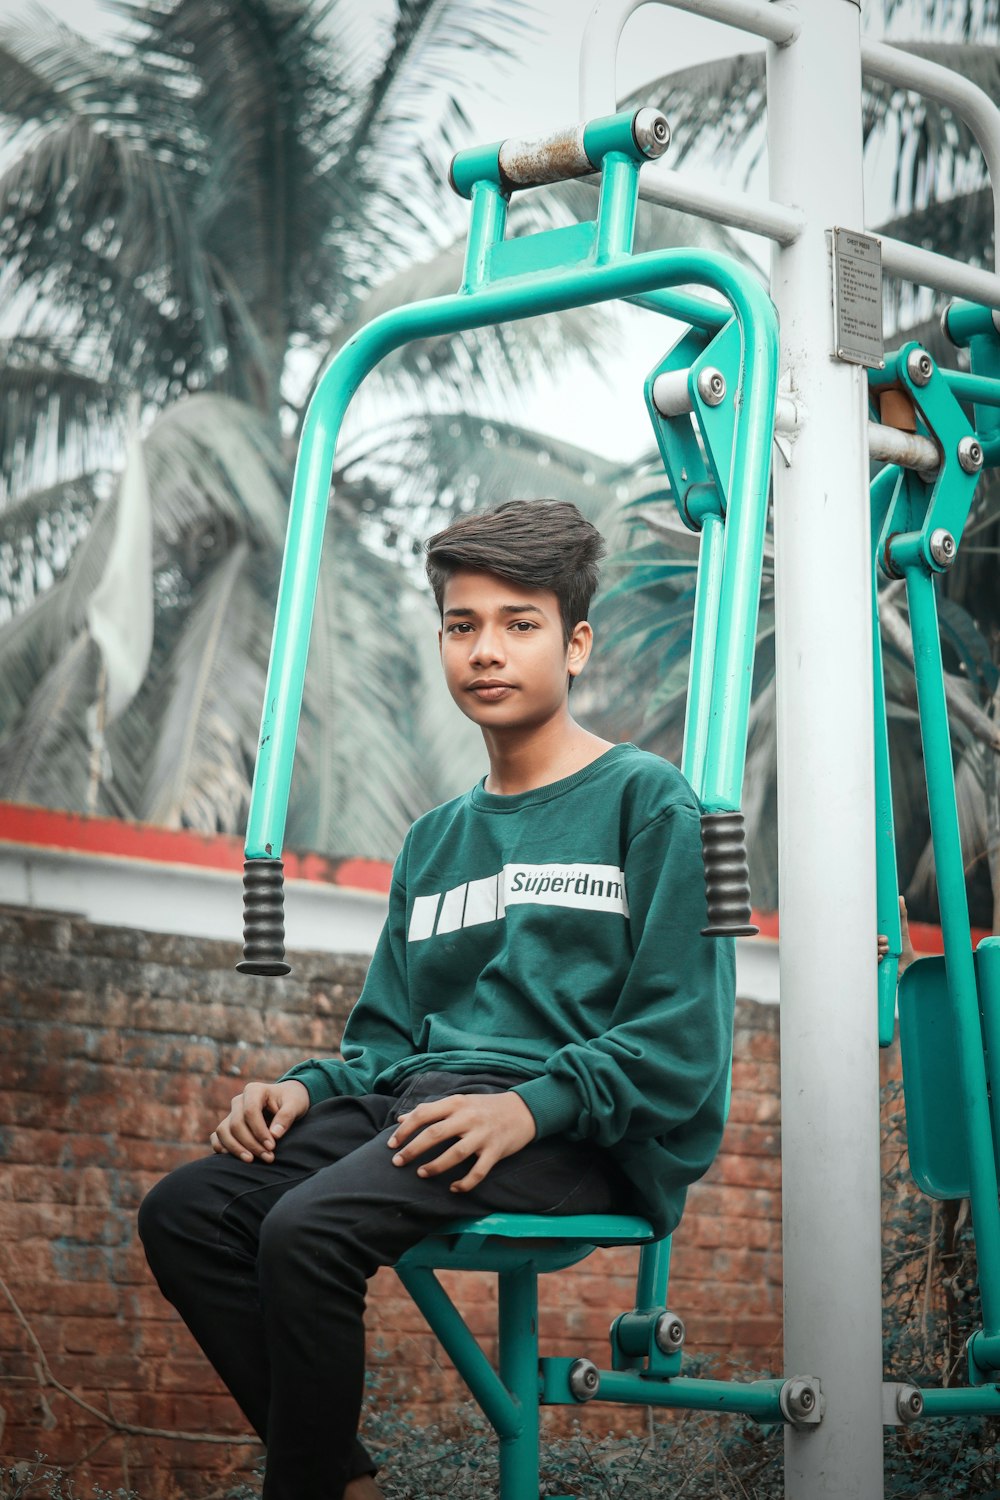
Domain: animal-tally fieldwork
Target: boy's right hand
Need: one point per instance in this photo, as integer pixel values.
(246, 1133)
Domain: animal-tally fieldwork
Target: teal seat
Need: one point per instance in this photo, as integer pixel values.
(936, 1125)
(551, 1242)
(518, 1248)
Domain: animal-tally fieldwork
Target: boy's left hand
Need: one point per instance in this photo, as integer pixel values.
(488, 1126)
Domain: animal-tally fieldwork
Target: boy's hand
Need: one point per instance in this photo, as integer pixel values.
(245, 1132)
(489, 1127)
(907, 955)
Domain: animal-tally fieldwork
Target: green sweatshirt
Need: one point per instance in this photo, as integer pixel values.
(555, 935)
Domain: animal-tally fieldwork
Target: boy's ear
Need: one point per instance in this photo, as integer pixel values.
(581, 644)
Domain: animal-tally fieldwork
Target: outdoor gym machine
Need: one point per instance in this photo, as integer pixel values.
(825, 543)
(949, 1009)
(714, 403)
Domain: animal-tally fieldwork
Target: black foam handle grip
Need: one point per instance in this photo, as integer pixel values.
(727, 875)
(263, 918)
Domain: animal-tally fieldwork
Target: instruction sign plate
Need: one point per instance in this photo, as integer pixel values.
(857, 299)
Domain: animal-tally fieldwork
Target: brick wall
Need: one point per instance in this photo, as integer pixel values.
(120, 1051)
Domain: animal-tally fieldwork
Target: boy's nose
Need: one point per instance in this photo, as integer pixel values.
(487, 647)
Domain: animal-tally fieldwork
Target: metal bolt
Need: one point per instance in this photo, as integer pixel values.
(919, 366)
(711, 385)
(942, 547)
(909, 1403)
(798, 1400)
(651, 132)
(669, 1333)
(970, 455)
(584, 1379)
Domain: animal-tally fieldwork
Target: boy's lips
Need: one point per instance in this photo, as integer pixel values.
(490, 690)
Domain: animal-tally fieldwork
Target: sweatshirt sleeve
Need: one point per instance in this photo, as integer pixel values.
(663, 1059)
(377, 1033)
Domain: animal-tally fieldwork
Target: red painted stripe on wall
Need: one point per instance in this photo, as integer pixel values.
(42, 828)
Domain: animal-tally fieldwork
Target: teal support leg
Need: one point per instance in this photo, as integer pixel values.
(704, 634)
(451, 1330)
(518, 1326)
(649, 1340)
(746, 523)
(486, 229)
(886, 872)
(616, 216)
(654, 1276)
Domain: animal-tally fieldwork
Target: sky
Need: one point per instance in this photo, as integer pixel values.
(537, 92)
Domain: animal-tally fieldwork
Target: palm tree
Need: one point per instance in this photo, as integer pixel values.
(199, 213)
(939, 202)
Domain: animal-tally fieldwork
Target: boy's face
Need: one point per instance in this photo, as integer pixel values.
(505, 661)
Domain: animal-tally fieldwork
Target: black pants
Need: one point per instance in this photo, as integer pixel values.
(267, 1263)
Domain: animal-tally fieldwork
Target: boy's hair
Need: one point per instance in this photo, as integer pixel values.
(543, 544)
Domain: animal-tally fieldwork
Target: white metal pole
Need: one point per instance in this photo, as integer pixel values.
(829, 1057)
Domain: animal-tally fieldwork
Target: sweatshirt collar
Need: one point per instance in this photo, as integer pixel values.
(486, 801)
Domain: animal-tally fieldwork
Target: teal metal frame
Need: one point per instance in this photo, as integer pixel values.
(949, 1009)
(505, 281)
(886, 873)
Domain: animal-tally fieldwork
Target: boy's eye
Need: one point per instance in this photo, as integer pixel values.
(461, 627)
(523, 626)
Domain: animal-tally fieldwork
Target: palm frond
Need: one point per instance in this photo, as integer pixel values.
(44, 758)
(53, 414)
(422, 67)
(269, 97)
(430, 467)
(713, 107)
(214, 476)
(938, 156)
(973, 825)
(960, 227)
(212, 461)
(717, 108)
(38, 535)
(358, 784)
(500, 357)
(49, 72)
(204, 698)
(85, 213)
(101, 205)
(970, 19)
(25, 654)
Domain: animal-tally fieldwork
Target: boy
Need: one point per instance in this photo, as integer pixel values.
(542, 1028)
